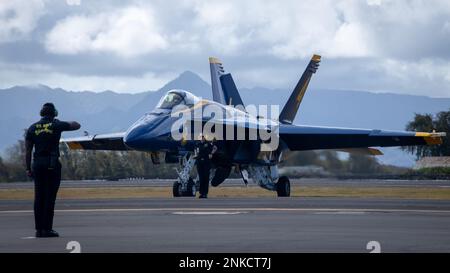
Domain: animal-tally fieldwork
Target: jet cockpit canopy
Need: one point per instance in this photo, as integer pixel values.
(177, 97)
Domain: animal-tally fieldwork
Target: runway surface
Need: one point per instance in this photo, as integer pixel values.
(233, 225)
(325, 182)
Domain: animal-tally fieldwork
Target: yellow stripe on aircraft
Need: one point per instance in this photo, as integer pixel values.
(302, 92)
(422, 134)
(213, 60)
(75, 146)
(431, 138)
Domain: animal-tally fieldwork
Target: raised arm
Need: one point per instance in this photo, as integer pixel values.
(73, 125)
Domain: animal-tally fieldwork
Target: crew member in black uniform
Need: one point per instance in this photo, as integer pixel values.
(205, 152)
(44, 137)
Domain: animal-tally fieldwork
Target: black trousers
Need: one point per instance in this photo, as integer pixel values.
(46, 186)
(203, 169)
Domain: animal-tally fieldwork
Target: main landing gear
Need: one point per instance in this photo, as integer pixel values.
(264, 176)
(267, 177)
(283, 187)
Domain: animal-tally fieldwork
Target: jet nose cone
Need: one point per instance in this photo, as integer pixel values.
(141, 134)
(133, 137)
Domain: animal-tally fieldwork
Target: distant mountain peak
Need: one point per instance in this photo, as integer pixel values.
(38, 86)
(189, 74)
(29, 87)
(187, 80)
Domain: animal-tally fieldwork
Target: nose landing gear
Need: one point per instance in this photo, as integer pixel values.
(190, 191)
(185, 185)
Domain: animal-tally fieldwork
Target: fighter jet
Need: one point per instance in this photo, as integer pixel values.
(249, 143)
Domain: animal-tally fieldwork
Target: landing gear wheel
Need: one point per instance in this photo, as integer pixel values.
(283, 187)
(191, 188)
(178, 189)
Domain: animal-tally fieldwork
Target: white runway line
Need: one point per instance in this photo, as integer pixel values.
(235, 209)
(208, 212)
(341, 212)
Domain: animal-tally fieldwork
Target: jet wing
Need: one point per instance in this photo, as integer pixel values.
(112, 142)
(299, 138)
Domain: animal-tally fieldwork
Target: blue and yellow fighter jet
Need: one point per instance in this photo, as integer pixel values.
(158, 132)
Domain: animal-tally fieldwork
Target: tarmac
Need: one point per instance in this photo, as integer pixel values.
(215, 225)
(325, 182)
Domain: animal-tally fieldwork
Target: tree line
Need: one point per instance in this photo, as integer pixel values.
(112, 165)
(82, 165)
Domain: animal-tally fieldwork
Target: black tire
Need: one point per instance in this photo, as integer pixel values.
(191, 188)
(176, 189)
(283, 187)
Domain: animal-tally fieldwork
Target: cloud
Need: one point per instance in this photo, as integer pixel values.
(125, 32)
(44, 74)
(376, 45)
(413, 74)
(73, 2)
(292, 30)
(336, 29)
(19, 18)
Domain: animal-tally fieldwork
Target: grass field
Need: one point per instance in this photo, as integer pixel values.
(148, 192)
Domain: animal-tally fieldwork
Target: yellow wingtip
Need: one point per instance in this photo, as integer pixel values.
(422, 134)
(431, 138)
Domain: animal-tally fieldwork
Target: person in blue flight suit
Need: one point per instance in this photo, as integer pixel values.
(205, 152)
(44, 137)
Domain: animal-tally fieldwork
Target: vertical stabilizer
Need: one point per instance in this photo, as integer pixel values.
(291, 107)
(223, 87)
(216, 71)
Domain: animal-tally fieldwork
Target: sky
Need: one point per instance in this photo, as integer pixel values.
(134, 46)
